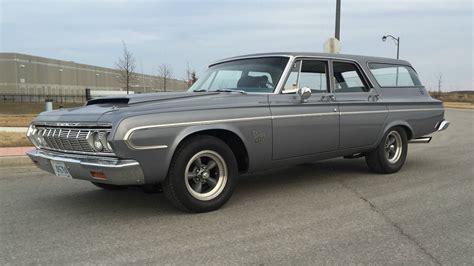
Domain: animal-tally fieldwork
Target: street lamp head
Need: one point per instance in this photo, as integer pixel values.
(384, 38)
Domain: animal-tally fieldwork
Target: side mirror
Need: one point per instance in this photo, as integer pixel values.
(304, 94)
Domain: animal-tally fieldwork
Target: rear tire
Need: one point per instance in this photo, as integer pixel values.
(109, 186)
(202, 175)
(390, 154)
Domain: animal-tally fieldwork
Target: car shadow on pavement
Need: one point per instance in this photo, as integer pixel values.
(87, 198)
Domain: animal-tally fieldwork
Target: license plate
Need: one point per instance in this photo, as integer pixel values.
(60, 169)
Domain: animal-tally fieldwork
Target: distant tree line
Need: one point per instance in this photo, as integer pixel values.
(126, 64)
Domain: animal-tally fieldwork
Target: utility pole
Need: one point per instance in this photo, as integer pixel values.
(143, 77)
(440, 77)
(398, 48)
(338, 20)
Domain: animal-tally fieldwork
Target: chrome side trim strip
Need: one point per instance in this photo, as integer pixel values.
(130, 132)
(364, 112)
(417, 110)
(303, 115)
(195, 123)
(136, 147)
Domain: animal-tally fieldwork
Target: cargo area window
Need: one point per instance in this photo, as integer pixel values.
(388, 75)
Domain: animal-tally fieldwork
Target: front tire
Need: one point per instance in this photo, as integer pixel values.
(202, 175)
(390, 154)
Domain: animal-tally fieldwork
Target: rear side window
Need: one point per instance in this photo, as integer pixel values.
(348, 78)
(388, 75)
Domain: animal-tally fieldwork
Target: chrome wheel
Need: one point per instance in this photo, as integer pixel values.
(206, 175)
(393, 147)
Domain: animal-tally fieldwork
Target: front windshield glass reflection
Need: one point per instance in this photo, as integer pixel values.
(244, 75)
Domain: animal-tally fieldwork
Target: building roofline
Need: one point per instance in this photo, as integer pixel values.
(63, 62)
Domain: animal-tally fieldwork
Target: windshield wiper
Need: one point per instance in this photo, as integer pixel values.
(201, 90)
(231, 90)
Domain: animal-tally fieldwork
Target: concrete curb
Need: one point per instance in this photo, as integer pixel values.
(12, 161)
(14, 129)
(14, 151)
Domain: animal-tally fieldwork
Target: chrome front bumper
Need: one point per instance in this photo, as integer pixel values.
(117, 171)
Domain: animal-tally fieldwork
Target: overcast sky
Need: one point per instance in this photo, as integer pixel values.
(436, 36)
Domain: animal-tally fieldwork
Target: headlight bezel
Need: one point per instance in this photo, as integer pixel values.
(98, 141)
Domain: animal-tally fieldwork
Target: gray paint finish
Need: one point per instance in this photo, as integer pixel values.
(275, 129)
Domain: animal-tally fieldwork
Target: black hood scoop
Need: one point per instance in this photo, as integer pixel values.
(146, 97)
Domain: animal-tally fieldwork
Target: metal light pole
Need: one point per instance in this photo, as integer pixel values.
(338, 20)
(396, 40)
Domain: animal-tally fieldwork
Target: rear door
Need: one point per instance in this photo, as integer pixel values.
(362, 112)
(304, 128)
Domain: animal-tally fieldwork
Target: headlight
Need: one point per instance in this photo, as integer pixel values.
(97, 142)
(106, 142)
(94, 141)
(34, 135)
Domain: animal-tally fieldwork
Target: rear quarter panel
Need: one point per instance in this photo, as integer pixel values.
(413, 108)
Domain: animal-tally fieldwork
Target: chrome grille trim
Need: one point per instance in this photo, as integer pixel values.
(70, 139)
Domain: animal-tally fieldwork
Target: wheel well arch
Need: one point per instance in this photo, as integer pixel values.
(408, 129)
(229, 137)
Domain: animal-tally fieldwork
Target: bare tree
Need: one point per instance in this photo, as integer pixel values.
(191, 76)
(188, 75)
(125, 67)
(194, 77)
(165, 72)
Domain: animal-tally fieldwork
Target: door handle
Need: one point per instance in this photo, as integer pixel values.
(373, 98)
(328, 98)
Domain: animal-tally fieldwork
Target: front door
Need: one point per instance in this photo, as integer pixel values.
(304, 128)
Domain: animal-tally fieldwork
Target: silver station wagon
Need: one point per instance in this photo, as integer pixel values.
(244, 114)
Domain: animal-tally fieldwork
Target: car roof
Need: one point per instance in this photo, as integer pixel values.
(359, 58)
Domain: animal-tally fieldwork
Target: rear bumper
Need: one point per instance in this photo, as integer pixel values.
(116, 171)
(440, 126)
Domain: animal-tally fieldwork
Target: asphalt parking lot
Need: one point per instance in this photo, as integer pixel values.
(334, 211)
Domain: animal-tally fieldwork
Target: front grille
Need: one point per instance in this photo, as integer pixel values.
(69, 139)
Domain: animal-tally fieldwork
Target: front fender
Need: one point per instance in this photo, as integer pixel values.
(186, 132)
(154, 148)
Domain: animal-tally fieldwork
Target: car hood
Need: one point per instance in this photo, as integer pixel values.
(109, 109)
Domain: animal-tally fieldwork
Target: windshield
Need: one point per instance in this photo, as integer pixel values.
(245, 75)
